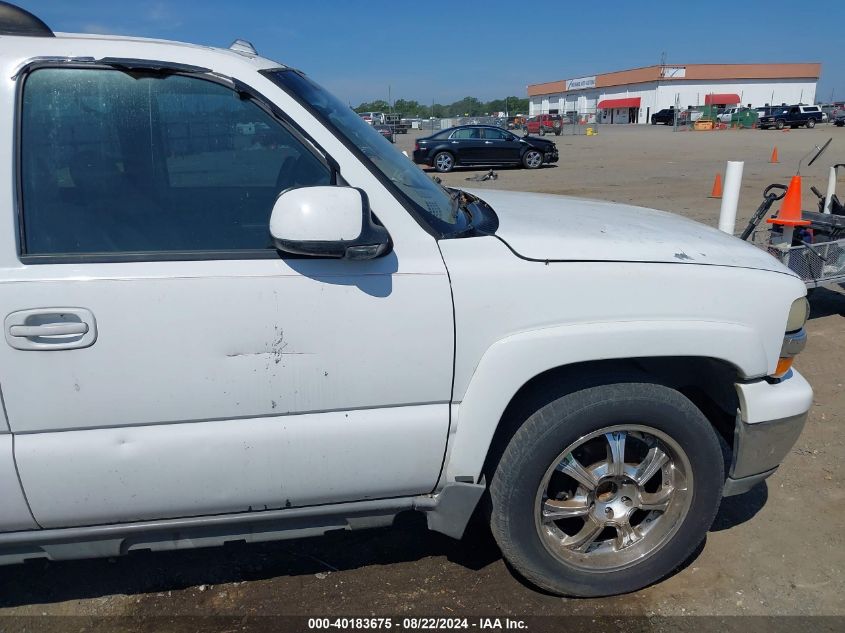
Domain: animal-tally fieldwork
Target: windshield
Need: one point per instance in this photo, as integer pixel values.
(429, 201)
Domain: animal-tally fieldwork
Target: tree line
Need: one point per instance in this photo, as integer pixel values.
(468, 106)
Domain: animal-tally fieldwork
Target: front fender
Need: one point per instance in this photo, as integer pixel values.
(511, 362)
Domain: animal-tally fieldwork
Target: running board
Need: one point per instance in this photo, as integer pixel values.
(447, 511)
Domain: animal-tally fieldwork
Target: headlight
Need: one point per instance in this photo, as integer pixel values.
(798, 314)
(795, 338)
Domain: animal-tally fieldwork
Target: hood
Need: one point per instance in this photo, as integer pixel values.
(536, 141)
(560, 228)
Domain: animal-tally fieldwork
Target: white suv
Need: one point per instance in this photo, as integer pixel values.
(234, 312)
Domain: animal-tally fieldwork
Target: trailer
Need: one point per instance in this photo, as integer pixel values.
(397, 123)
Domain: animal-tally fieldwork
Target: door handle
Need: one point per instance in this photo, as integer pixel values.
(488, 142)
(49, 329)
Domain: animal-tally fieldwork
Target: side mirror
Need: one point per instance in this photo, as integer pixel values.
(327, 222)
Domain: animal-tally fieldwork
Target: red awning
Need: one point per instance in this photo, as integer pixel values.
(630, 102)
(721, 99)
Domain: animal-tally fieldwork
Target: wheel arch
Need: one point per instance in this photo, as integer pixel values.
(702, 360)
(707, 382)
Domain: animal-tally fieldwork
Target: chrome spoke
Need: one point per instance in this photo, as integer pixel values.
(616, 453)
(656, 500)
(585, 536)
(572, 467)
(597, 511)
(554, 510)
(626, 535)
(654, 460)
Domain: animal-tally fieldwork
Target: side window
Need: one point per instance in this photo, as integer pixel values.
(498, 135)
(142, 163)
(466, 133)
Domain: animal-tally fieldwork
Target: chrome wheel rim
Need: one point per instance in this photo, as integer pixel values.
(533, 159)
(443, 162)
(613, 497)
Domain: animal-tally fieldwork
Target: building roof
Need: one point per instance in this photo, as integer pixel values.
(807, 70)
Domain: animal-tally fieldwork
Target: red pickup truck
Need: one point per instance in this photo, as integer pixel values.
(543, 123)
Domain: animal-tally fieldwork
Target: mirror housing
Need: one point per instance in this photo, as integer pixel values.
(327, 221)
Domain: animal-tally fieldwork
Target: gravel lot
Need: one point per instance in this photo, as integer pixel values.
(776, 550)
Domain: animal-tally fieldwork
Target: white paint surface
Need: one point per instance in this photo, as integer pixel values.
(318, 214)
(14, 515)
(172, 470)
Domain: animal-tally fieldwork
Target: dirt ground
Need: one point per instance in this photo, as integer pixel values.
(777, 550)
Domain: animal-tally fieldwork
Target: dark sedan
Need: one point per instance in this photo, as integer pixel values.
(386, 131)
(467, 145)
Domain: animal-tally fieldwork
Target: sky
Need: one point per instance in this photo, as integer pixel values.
(443, 51)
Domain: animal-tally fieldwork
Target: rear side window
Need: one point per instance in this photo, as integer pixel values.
(466, 133)
(142, 163)
(498, 135)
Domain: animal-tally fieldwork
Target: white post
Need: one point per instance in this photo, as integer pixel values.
(831, 189)
(730, 196)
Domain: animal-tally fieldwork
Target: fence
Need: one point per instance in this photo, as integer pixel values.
(572, 123)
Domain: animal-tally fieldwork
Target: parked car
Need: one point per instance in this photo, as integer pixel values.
(253, 342)
(542, 123)
(726, 115)
(468, 145)
(791, 116)
(666, 116)
(386, 131)
(764, 111)
(373, 118)
(839, 121)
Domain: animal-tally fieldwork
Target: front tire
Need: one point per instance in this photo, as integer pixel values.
(444, 162)
(779, 125)
(532, 159)
(606, 490)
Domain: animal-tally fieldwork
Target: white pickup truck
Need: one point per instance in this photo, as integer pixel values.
(234, 312)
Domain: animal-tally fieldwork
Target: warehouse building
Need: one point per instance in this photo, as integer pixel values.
(632, 96)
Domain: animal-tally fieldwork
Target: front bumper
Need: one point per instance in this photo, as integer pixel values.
(770, 418)
(550, 157)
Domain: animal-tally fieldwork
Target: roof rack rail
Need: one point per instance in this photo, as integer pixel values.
(243, 47)
(17, 21)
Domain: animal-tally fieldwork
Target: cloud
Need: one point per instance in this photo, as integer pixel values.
(161, 15)
(103, 29)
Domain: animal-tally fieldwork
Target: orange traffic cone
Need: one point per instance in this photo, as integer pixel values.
(790, 210)
(774, 157)
(717, 187)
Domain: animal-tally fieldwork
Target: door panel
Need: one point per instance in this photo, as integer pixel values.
(250, 345)
(14, 514)
(171, 470)
(239, 380)
(501, 146)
